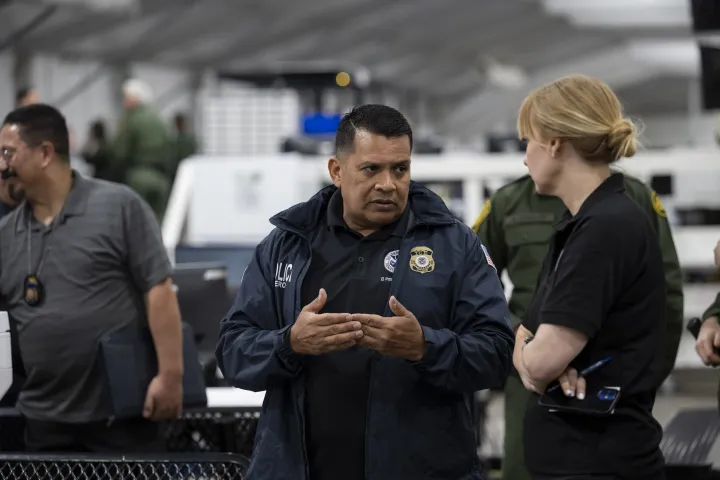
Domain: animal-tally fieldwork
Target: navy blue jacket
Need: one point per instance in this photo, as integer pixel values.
(419, 422)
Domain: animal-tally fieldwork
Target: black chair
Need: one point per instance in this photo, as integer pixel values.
(201, 430)
(687, 442)
(213, 430)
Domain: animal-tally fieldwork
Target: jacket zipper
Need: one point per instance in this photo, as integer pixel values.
(298, 406)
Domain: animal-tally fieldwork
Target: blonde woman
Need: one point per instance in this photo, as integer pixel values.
(600, 299)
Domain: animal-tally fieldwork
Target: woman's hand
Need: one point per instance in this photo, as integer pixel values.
(524, 333)
(521, 335)
(520, 341)
(571, 385)
(529, 383)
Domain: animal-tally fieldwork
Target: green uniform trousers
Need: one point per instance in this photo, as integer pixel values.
(516, 399)
(152, 186)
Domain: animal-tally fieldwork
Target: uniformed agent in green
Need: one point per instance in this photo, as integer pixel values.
(708, 341)
(516, 225)
(142, 149)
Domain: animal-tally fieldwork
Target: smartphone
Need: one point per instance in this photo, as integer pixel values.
(600, 401)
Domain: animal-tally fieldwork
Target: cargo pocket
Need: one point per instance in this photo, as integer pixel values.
(528, 243)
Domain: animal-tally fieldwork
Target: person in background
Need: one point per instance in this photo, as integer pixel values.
(184, 142)
(10, 196)
(141, 148)
(98, 154)
(404, 318)
(516, 225)
(707, 345)
(26, 96)
(708, 342)
(601, 296)
(80, 258)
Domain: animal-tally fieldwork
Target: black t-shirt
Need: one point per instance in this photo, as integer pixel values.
(603, 277)
(356, 272)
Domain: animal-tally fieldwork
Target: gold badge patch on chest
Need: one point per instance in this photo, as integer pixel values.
(421, 260)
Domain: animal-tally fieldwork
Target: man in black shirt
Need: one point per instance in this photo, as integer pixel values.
(359, 385)
(357, 271)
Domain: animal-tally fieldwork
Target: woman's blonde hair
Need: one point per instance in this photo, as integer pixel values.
(583, 111)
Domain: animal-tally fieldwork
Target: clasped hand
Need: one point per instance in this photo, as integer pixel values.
(570, 382)
(316, 333)
(708, 342)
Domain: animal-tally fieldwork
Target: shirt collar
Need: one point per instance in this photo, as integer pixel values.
(615, 183)
(75, 203)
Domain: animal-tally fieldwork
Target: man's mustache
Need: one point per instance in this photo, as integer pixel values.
(7, 174)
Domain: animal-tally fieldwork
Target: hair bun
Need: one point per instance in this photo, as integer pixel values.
(622, 139)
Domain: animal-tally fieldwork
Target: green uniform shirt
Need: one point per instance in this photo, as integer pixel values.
(143, 141)
(713, 310)
(143, 156)
(516, 226)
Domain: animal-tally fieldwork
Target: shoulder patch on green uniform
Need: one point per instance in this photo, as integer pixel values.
(487, 207)
(657, 205)
(506, 191)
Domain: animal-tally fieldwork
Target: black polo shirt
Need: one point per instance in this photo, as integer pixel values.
(603, 276)
(356, 273)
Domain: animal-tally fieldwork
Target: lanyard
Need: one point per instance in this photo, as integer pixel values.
(45, 247)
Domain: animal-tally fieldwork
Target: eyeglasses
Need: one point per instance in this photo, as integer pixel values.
(7, 153)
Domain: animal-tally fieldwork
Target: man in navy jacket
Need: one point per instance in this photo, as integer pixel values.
(369, 316)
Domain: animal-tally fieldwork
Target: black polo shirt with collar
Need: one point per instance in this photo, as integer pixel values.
(603, 276)
(356, 272)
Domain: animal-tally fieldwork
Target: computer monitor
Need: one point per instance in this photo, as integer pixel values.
(204, 300)
(710, 77)
(705, 16)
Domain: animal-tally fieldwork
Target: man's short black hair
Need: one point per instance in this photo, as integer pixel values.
(375, 119)
(41, 123)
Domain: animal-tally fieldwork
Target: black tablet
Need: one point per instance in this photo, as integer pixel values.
(599, 401)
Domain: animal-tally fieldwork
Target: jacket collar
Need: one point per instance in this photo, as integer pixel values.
(426, 208)
(334, 219)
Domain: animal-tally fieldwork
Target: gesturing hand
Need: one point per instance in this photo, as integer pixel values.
(316, 333)
(400, 336)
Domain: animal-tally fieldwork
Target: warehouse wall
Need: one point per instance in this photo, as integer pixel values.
(54, 77)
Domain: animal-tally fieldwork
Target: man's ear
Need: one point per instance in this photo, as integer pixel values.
(48, 152)
(335, 171)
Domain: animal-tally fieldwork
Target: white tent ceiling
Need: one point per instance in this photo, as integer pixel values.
(440, 49)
